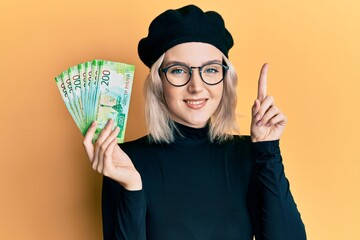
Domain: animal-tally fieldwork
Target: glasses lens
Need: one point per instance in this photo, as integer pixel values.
(178, 75)
(212, 73)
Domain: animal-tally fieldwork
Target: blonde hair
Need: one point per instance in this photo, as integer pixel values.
(222, 123)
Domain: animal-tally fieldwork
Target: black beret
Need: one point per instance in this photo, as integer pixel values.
(186, 24)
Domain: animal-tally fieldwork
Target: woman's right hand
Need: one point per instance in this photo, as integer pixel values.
(107, 158)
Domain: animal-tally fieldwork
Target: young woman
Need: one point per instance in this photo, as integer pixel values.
(191, 177)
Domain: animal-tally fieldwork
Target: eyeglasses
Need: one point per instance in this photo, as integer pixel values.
(179, 75)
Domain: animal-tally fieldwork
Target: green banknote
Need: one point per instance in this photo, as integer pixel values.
(97, 91)
(113, 96)
(95, 65)
(82, 73)
(70, 94)
(61, 86)
(87, 89)
(77, 88)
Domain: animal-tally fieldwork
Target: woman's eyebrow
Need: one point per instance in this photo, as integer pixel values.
(183, 63)
(173, 63)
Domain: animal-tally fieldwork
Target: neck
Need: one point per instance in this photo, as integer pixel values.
(190, 136)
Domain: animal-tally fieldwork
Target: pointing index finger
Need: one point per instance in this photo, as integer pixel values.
(262, 84)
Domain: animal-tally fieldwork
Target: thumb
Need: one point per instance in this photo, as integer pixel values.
(108, 164)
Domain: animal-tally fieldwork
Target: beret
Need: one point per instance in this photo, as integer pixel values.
(186, 24)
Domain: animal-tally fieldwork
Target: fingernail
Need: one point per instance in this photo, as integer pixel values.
(258, 116)
(259, 123)
(268, 124)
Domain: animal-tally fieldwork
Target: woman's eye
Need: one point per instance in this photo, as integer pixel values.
(211, 70)
(177, 71)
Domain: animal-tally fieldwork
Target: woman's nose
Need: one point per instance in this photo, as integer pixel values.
(196, 84)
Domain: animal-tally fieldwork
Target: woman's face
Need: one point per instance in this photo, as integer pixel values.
(193, 104)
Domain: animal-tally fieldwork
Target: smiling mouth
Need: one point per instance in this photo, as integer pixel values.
(196, 104)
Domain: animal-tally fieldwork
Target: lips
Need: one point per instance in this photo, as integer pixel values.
(195, 103)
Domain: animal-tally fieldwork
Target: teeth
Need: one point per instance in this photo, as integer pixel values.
(195, 102)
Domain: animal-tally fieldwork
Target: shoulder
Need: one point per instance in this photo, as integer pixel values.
(139, 147)
(140, 141)
(135, 145)
(240, 145)
(241, 141)
(238, 152)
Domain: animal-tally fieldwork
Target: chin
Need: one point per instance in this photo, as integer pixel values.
(192, 120)
(197, 123)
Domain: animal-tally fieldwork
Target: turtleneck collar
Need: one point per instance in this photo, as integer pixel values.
(188, 136)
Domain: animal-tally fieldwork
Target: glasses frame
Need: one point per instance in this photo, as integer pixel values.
(190, 68)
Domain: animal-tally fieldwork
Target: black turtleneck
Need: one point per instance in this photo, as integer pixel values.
(194, 189)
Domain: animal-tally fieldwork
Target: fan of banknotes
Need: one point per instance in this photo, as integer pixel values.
(97, 91)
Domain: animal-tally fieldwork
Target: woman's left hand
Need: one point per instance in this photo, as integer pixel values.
(267, 122)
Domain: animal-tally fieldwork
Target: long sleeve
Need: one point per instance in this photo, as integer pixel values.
(272, 208)
(123, 212)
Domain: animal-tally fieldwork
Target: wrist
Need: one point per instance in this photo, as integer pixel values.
(133, 183)
(265, 149)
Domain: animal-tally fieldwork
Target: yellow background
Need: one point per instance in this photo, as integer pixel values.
(47, 188)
